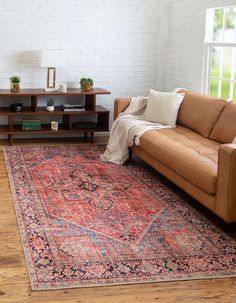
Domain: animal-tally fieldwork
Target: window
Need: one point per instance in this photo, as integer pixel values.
(220, 53)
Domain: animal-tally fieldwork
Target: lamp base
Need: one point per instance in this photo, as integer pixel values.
(54, 89)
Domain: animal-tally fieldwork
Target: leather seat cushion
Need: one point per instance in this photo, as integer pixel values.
(187, 153)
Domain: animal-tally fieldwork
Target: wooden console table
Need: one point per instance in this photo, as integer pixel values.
(67, 126)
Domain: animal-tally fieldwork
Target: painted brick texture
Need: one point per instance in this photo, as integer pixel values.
(186, 42)
(112, 41)
(124, 45)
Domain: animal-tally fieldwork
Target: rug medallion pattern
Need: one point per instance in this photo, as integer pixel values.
(88, 223)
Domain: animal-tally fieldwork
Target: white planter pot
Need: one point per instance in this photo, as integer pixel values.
(50, 108)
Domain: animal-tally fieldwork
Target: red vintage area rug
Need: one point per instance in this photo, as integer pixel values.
(88, 223)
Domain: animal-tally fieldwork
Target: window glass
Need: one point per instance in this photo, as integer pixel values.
(227, 62)
(234, 58)
(230, 28)
(214, 84)
(225, 88)
(215, 62)
(218, 25)
(220, 41)
(234, 96)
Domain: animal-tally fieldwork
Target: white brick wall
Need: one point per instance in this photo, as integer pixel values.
(186, 39)
(112, 41)
(122, 44)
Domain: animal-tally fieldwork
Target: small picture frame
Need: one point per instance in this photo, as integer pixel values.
(54, 126)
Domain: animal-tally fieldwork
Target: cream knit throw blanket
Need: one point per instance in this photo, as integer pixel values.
(127, 130)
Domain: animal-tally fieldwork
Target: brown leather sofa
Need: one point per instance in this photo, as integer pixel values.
(197, 155)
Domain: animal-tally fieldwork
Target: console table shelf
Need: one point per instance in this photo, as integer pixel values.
(66, 126)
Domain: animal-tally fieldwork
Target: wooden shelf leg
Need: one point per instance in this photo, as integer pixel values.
(34, 103)
(85, 135)
(67, 124)
(10, 125)
(10, 139)
(91, 136)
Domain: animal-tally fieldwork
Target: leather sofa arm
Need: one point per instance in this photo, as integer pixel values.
(120, 105)
(226, 183)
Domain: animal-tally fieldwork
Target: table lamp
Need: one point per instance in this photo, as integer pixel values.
(52, 59)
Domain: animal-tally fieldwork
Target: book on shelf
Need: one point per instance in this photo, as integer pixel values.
(31, 122)
(74, 110)
(31, 127)
(73, 107)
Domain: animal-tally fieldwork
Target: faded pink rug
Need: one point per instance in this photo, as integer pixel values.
(88, 223)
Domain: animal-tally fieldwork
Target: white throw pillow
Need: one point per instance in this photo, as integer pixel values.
(163, 107)
(234, 140)
(175, 90)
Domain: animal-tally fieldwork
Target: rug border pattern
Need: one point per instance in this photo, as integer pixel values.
(114, 281)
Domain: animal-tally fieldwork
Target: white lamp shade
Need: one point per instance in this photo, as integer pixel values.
(52, 58)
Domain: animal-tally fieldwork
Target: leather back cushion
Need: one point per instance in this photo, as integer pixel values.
(224, 130)
(199, 112)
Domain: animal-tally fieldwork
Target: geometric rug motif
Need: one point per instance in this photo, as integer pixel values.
(84, 222)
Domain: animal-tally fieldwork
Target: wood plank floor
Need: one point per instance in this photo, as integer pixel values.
(15, 287)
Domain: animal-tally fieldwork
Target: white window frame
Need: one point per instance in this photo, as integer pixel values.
(208, 46)
(207, 68)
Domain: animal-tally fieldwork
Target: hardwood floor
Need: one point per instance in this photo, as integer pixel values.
(14, 281)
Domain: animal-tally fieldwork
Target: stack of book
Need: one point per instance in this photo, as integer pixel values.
(31, 125)
(73, 107)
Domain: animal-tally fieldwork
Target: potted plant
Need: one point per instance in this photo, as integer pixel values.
(50, 105)
(86, 84)
(15, 83)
